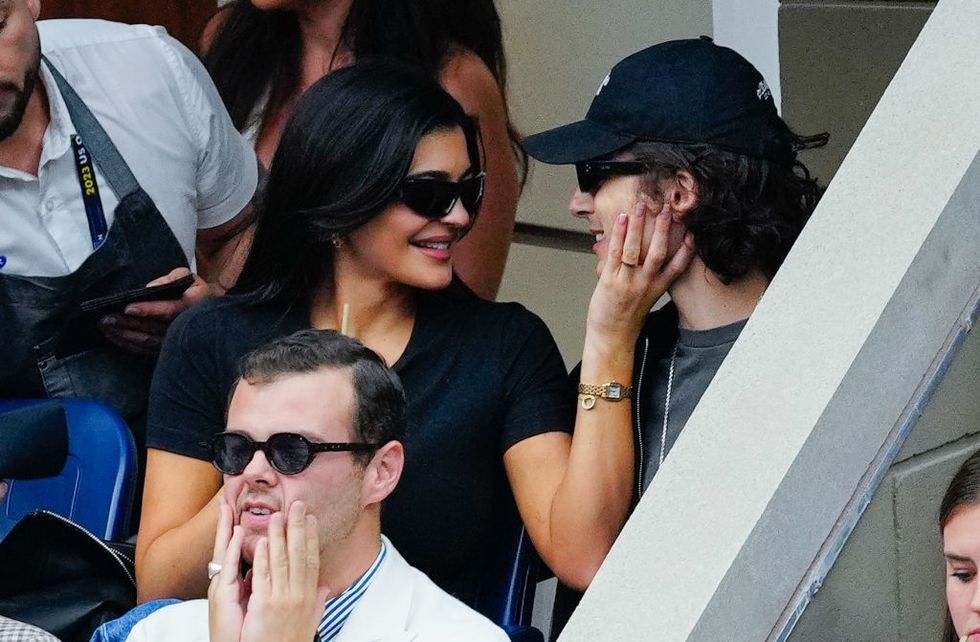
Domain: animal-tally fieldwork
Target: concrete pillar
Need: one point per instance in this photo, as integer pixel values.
(827, 375)
(750, 28)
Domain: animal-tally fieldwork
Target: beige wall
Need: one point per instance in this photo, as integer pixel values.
(837, 57)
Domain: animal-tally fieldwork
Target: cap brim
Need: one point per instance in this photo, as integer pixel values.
(574, 142)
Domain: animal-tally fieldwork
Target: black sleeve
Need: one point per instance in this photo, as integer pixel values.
(538, 392)
(187, 404)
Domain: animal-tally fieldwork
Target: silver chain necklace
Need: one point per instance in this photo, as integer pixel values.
(670, 385)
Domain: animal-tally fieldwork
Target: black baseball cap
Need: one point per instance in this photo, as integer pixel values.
(682, 91)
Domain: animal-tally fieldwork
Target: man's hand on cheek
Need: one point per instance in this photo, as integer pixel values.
(286, 603)
(228, 592)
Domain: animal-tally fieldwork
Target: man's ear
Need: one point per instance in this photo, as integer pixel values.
(682, 194)
(383, 473)
(35, 7)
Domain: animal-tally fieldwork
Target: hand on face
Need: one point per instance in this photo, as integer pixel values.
(286, 603)
(631, 282)
(228, 593)
(279, 598)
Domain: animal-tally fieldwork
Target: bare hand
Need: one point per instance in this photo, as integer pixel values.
(228, 593)
(142, 326)
(630, 283)
(286, 603)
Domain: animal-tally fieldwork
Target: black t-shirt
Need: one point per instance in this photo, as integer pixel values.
(479, 377)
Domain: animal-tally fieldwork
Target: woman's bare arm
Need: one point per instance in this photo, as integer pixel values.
(481, 256)
(176, 536)
(574, 493)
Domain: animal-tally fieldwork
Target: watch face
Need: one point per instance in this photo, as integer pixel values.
(614, 391)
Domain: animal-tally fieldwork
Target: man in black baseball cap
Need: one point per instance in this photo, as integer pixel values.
(684, 136)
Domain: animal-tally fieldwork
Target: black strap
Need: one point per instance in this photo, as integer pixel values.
(111, 162)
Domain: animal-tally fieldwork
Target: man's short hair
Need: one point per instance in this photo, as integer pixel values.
(380, 407)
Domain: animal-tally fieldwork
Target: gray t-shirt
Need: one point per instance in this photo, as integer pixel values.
(699, 355)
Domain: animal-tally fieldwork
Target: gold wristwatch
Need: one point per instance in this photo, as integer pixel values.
(612, 391)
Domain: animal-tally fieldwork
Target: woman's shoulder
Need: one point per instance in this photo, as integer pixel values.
(505, 327)
(213, 312)
(456, 304)
(228, 317)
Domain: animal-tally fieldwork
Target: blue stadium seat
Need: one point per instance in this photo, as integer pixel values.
(95, 487)
(511, 577)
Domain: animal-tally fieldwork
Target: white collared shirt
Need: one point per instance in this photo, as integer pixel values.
(158, 105)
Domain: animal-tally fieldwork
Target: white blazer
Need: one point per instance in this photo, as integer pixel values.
(401, 605)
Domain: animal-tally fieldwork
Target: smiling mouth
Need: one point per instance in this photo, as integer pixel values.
(432, 245)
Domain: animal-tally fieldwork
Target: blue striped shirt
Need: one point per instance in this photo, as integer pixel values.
(339, 608)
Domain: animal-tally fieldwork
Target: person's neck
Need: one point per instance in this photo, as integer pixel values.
(348, 560)
(381, 312)
(321, 26)
(22, 149)
(704, 302)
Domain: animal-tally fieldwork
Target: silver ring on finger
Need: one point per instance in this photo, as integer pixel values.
(628, 264)
(213, 569)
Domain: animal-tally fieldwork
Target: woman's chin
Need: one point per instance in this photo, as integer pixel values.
(433, 281)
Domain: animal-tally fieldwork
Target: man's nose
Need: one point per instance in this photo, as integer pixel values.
(259, 470)
(581, 204)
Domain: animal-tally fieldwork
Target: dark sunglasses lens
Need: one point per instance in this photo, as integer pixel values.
(290, 453)
(471, 194)
(231, 453)
(588, 183)
(431, 199)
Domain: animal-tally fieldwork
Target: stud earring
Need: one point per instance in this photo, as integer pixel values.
(337, 240)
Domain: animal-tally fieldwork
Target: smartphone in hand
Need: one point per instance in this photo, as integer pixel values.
(116, 302)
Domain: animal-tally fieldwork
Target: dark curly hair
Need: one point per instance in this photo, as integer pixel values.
(750, 210)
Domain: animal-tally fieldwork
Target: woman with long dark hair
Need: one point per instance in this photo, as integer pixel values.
(376, 179)
(263, 54)
(959, 522)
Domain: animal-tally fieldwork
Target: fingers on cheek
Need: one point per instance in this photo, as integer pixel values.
(614, 250)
